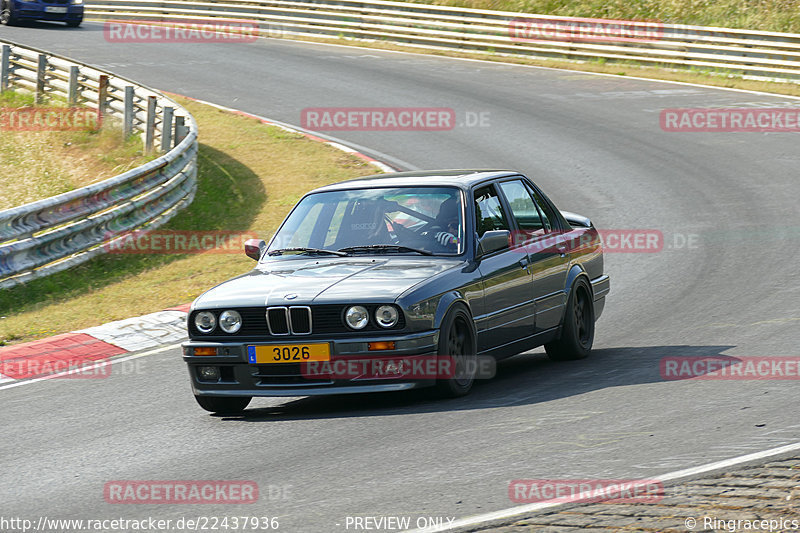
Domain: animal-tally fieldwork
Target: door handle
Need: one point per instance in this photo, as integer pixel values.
(562, 249)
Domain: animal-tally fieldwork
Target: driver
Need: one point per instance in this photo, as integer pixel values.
(447, 223)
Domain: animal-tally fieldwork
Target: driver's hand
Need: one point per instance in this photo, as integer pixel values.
(445, 238)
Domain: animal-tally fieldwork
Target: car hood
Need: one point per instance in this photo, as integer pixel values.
(294, 281)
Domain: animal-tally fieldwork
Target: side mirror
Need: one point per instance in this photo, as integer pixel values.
(254, 248)
(493, 241)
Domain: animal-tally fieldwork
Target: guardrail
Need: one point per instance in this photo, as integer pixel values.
(50, 235)
(755, 54)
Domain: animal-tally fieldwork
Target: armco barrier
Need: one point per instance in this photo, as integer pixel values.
(49, 235)
(756, 54)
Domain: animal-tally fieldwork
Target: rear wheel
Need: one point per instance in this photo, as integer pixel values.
(457, 340)
(577, 331)
(7, 17)
(223, 404)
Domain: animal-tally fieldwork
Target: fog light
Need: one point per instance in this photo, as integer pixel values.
(205, 350)
(209, 373)
(381, 345)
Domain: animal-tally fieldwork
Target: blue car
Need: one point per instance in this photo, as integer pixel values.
(68, 11)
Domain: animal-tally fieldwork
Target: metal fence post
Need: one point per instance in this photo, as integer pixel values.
(5, 67)
(150, 125)
(41, 68)
(127, 117)
(102, 95)
(166, 130)
(72, 89)
(181, 130)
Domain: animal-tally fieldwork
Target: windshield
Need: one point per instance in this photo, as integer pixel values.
(408, 220)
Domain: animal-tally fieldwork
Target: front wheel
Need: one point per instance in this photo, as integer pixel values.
(223, 404)
(7, 17)
(458, 341)
(577, 331)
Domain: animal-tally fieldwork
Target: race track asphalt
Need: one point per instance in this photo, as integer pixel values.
(594, 144)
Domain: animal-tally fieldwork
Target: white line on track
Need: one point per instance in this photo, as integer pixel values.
(552, 504)
(542, 67)
(87, 368)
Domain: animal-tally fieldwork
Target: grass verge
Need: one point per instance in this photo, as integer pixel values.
(40, 164)
(249, 176)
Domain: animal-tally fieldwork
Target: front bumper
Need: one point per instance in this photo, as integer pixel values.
(238, 377)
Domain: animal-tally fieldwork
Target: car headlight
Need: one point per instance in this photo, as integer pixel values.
(230, 321)
(357, 317)
(386, 316)
(205, 321)
(77, 1)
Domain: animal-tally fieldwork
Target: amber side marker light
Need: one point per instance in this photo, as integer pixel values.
(205, 351)
(381, 345)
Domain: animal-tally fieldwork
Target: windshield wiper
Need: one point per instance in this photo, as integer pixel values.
(384, 247)
(307, 250)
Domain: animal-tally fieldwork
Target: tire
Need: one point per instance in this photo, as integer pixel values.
(457, 338)
(7, 17)
(577, 331)
(223, 404)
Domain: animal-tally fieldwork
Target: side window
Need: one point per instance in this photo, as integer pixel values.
(529, 218)
(489, 213)
(548, 217)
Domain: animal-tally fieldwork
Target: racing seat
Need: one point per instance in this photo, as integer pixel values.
(364, 225)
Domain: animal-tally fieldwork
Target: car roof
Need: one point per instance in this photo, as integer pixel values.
(462, 178)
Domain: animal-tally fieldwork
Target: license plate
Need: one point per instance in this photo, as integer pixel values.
(288, 353)
(55, 9)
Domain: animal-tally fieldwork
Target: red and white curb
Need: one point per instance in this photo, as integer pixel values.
(70, 351)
